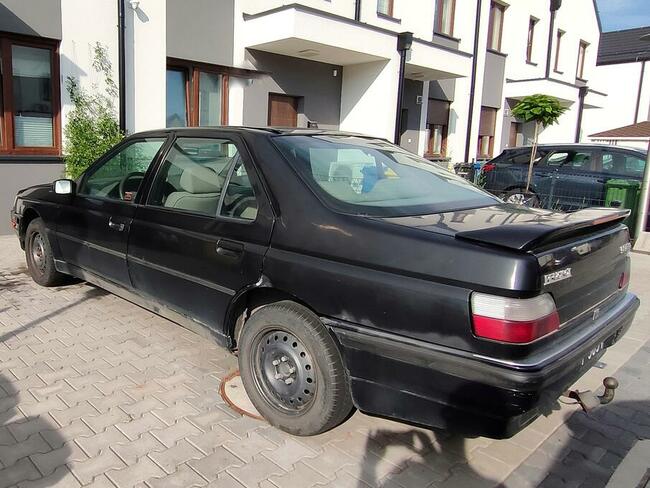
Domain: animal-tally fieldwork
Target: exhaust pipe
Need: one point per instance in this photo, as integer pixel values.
(589, 400)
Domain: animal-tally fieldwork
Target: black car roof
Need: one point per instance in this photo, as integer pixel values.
(575, 146)
(288, 131)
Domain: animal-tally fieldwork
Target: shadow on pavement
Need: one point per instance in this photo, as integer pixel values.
(597, 444)
(90, 294)
(26, 441)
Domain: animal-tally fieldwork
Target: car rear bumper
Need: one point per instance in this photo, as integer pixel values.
(435, 386)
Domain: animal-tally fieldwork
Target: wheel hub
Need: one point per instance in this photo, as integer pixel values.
(285, 370)
(38, 252)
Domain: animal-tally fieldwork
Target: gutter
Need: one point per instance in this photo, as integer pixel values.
(121, 28)
(357, 10)
(555, 6)
(472, 90)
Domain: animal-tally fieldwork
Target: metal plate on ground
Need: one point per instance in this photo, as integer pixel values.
(233, 392)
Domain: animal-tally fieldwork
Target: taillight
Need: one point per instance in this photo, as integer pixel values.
(513, 320)
(623, 280)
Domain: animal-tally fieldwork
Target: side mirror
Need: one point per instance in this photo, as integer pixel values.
(64, 187)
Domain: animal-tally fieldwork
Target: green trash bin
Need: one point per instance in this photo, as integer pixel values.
(626, 193)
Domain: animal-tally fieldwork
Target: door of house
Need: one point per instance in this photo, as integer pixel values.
(515, 131)
(283, 110)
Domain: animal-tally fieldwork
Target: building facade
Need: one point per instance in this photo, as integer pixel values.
(623, 60)
(311, 63)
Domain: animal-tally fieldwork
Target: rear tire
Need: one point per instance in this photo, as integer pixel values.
(292, 370)
(38, 254)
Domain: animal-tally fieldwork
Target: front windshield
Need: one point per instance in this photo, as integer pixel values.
(372, 177)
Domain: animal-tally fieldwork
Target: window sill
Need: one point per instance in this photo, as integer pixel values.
(558, 71)
(498, 53)
(531, 63)
(389, 18)
(445, 36)
(581, 80)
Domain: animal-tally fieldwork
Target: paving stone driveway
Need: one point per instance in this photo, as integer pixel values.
(95, 391)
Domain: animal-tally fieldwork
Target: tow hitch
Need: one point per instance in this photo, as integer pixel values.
(588, 400)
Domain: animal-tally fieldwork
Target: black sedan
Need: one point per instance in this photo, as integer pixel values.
(566, 177)
(345, 271)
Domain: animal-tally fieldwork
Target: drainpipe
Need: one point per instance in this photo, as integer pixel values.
(357, 10)
(638, 95)
(472, 89)
(404, 43)
(555, 6)
(121, 63)
(582, 93)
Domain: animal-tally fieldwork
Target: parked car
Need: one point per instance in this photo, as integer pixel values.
(345, 271)
(565, 176)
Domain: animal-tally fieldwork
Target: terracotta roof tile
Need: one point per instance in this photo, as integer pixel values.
(642, 129)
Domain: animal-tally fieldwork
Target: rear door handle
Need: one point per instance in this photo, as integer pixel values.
(229, 249)
(118, 226)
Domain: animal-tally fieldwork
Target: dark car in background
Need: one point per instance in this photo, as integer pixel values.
(345, 271)
(566, 177)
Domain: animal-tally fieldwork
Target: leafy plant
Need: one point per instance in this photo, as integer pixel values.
(92, 126)
(543, 110)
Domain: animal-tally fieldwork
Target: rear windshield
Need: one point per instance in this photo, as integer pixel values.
(372, 177)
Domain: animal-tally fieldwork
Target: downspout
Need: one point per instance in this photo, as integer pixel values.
(121, 28)
(582, 93)
(472, 88)
(404, 43)
(357, 10)
(555, 6)
(638, 96)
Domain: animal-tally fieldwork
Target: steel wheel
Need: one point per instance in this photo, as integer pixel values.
(517, 199)
(38, 252)
(283, 369)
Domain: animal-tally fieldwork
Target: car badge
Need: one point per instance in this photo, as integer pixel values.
(595, 314)
(556, 276)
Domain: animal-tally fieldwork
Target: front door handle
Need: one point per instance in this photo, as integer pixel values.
(118, 226)
(229, 249)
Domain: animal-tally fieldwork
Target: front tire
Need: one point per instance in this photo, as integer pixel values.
(519, 196)
(38, 253)
(292, 370)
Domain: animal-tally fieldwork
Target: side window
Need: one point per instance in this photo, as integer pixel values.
(634, 166)
(580, 160)
(619, 163)
(193, 175)
(239, 199)
(557, 159)
(120, 177)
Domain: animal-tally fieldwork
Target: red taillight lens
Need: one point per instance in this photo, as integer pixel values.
(624, 280)
(513, 320)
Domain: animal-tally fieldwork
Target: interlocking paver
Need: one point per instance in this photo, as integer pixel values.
(171, 414)
(136, 473)
(301, 475)
(32, 425)
(136, 427)
(68, 415)
(61, 478)
(32, 445)
(251, 446)
(95, 444)
(250, 474)
(209, 440)
(86, 471)
(23, 470)
(182, 452)
(170, 435)
(184, 477)
(131, 451)
(50, 461)
(210, 466)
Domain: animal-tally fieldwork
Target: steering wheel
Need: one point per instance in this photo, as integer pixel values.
(241, 204)
(123, 181)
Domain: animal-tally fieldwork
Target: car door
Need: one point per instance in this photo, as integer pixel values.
(93, 229)
(579, 182)
(204, 229)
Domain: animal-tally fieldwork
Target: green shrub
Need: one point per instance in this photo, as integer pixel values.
(92, 127)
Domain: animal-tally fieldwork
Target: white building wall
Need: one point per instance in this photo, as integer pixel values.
(369, 98)
(78, 43)
(146, 60)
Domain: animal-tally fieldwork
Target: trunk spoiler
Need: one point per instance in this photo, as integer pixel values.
(547, 228)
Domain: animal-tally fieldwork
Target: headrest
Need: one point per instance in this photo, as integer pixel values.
(197, 179)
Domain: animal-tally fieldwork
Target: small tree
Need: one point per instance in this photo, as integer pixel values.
(543, 110)
(92, 127)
